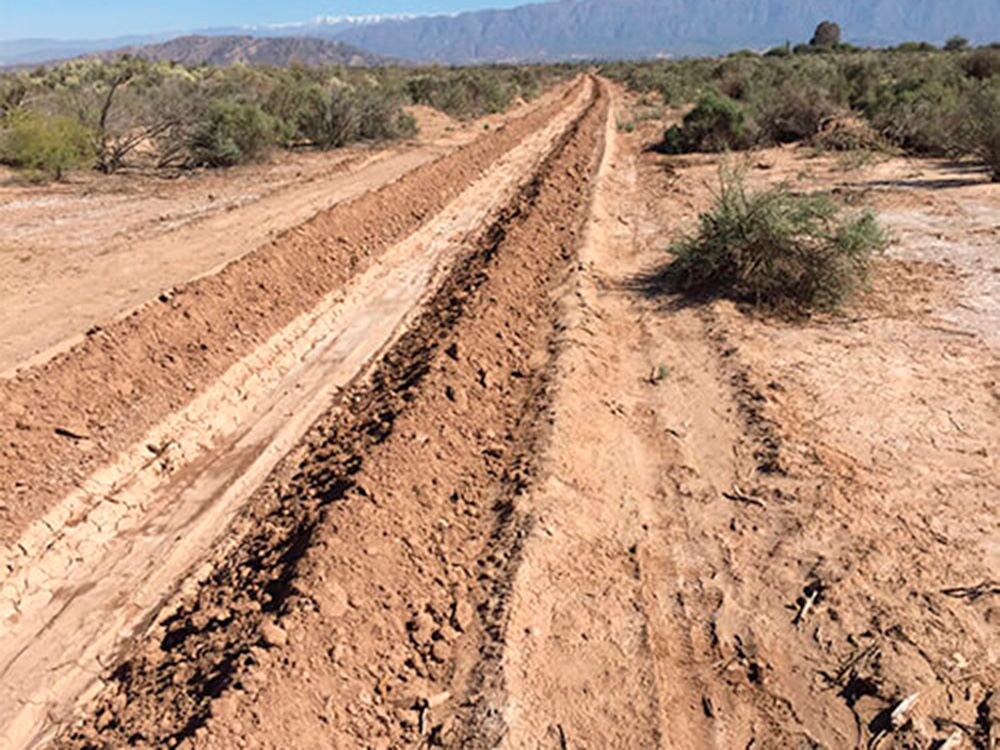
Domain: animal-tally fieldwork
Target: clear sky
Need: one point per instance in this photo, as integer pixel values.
(97, 19)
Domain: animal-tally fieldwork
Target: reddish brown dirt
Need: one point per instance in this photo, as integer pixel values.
(568, 510)
(868, 440)
(125, 377)
(84, 253)
(298, 640)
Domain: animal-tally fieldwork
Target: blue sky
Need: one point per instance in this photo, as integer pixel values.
(87, 19)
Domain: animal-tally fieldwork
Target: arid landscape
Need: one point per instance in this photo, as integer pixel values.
(412, 444)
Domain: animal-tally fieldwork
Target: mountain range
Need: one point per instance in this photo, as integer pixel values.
(605, 29)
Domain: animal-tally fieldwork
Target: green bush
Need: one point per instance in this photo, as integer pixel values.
(380, 116)
(717, 123)
(775, 249)
(233, 133)
(331, 119)
(982, 125)
(46, 145)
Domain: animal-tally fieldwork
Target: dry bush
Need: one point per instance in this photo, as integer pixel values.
(775, 249)
(848, 133)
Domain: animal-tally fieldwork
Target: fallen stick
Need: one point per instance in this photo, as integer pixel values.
(739, 496)
(972, 593)
(806, 606)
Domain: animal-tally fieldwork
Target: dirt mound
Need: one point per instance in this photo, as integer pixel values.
(432, 122)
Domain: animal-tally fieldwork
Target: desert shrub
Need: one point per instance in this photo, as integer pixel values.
(911, 47)
(380, 117)
(233, 133)
(794, 111)
(848, 133)
(982, 125)
(45, 145)
(982, 64)
(919, 111)
(717, 123)
(330, 119)
(166, 115)
(914, 97)
(775, 249)
(13, 90)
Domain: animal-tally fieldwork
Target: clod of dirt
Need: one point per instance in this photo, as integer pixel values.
(273, 635)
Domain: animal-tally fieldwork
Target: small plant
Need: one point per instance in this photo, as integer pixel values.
(46, 146)
(776, 249)
(659, 374)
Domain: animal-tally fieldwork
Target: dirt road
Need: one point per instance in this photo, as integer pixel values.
(485, 486)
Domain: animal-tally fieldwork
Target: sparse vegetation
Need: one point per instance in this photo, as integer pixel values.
(137, 113)
(914, 97)
(473, 92)
(776, 249)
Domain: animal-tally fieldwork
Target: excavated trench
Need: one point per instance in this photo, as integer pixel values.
(367, 601)
(86, 579)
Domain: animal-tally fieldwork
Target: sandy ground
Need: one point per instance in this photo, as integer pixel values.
(561, 509)
(77, 255)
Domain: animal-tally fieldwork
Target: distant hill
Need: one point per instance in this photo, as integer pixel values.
(227, 50)
(586, 29)
(574, 29)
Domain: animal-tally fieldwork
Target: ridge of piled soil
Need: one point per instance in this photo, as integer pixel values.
(365, 604)
(61, 420)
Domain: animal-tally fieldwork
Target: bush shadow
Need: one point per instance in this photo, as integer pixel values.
(655, 284)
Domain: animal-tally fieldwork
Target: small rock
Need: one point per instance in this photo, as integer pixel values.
(333, 601)
(422, 627)
(273, 635)
(440, 651)
(464, 614)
